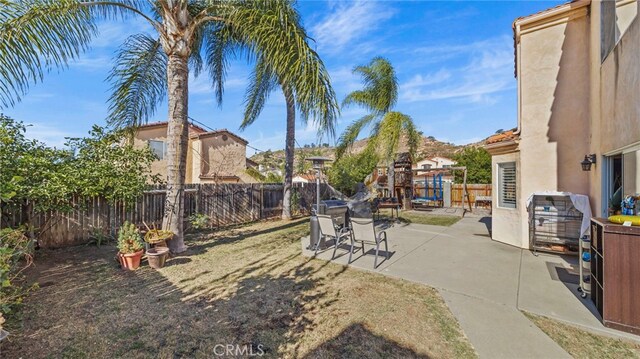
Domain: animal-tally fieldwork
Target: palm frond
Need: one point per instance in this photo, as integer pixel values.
(37, 36)
(272, 30)
(380, 91)
(351, 133)
(261, 84)
(392, 128)
(138, 81)
(219, 46)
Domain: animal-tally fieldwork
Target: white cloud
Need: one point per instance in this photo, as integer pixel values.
(52, 136)
(93, 62)
(203, 85)
(488, 71)
(350, 21)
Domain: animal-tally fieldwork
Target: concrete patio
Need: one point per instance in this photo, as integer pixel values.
(486, 284)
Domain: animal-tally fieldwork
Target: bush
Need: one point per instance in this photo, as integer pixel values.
(15, 255)
(199, 221)
(129, 239)
(350, 170)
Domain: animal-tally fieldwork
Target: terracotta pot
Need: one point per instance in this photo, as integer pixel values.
(157, 257)
(130, 261)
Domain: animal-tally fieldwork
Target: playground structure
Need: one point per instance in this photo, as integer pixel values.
(408, 194)
(434, 194)
(426, 195)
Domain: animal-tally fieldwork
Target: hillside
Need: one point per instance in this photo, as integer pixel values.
(429, 147)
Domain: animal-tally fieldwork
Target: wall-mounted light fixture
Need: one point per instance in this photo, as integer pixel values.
(588, 161)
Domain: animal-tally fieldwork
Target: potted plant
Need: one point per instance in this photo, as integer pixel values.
(130, 245)
(157, 256)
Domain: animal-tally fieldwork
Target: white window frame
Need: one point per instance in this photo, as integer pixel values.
(426, 167)
(501, 201)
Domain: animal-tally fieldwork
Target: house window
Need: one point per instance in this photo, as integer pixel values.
(158, 148)
(507, 185)
(380, 172)
(446, 166)
(426, 167)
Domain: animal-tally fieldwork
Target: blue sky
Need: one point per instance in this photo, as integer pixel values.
(454, 61)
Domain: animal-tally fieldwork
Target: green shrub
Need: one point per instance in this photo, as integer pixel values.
(15, 256)
(199, 221)
(129, 239)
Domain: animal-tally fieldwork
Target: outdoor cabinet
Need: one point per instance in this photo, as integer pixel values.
(615, 274)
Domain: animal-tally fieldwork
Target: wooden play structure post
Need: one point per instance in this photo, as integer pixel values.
(403, 179)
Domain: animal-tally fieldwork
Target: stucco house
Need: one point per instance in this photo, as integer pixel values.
(578, 72)
(217, 156)
(304, 178)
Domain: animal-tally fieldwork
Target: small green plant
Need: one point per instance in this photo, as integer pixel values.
(129, 239)
(98, 237)
(15, 256)
(199, 221)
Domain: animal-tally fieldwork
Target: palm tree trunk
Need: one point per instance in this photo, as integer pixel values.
(289, 150)
(177, 140)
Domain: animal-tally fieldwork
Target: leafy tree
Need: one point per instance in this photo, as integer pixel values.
(33, 175)
(39, 35)
(379, 96)
(40, 178)
(478, 163)
(107, 166)
(350, 170)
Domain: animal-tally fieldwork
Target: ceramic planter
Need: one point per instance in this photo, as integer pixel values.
(130, 261)
(157, 256)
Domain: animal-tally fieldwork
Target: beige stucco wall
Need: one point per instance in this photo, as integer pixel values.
(505, 222)
(141, 140)
(222, 157)
(554, 109)
(619, 124)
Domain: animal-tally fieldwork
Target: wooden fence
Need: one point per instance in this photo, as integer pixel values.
(224, 204)
(474, 191)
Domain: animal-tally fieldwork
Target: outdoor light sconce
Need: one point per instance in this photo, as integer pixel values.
(588, 161)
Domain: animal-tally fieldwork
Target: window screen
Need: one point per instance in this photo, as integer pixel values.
(157, 147)
(507, 185)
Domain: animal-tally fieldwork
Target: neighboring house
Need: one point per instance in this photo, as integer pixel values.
(432, 163)
(443, 162)
(304, 178)
(212, 156)
(578, 72)
(425, 164)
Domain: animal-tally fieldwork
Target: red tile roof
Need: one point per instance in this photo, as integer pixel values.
(502, 137)
(164, 123)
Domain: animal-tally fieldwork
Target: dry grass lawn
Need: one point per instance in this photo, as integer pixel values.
(247, 286)
(582, 344)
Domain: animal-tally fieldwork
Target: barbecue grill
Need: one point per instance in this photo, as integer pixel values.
(335, 208)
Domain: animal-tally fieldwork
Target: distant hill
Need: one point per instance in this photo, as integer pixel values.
(429, 147)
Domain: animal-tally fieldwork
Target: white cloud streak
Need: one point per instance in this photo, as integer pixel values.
(486, 73)
(348, 22)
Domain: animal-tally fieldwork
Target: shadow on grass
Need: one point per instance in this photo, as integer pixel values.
(200, 242)
(356, 341)
(91, 308)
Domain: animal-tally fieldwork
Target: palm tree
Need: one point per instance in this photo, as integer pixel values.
(263, 82)
(379, 96)
(39, 35)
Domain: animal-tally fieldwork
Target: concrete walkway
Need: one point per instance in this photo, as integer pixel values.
(486, 284)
